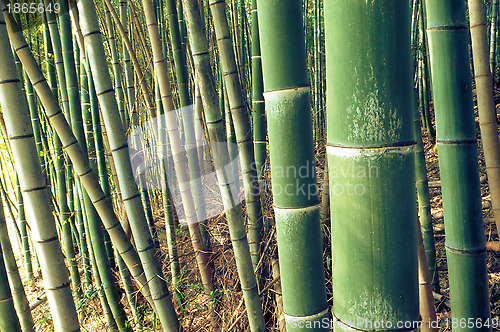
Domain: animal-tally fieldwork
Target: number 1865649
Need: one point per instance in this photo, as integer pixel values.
(33, 8)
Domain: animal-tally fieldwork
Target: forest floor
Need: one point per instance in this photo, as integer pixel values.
(194, 306)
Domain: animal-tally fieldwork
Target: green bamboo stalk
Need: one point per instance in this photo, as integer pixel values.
(370, 147)
(71, 76)
(179, 156)
(9, 321)
(127, 65)
(243, 23)
(35, 121)
(84, 253)
(128, 287)
(35, 192)
(96, 235)
(96, 145)
(496, 73)
(258, 106)
(181, 73)
(457, 147)
(218, 144)
(24, 232)
(296, 210)
(427, 308)
(103, 174)
(493, 32)
(20, 301)
(9, 208)
(117, 70)
(79, 217)
(54, 45)
(119, 148)
(87, 176)
(424, 204)
(424, 74)
(242, 126)
(486, 103)
(99, 286)
(316, 108)
(199, 131)
(136, 66)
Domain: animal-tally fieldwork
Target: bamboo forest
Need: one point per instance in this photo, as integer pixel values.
(249, 165)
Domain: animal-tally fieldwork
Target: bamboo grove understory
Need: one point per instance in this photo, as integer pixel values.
(249, 165)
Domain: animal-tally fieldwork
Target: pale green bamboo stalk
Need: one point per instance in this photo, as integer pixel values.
(20, 301)
(54, 44)
(179, 156)
(493, 32)
(225, 177)
(293, 177)
(258, 106)
(87, 176)
(370, 147)
(242, 127)
(486, 103)
(119, 148)
(9, 322)
(36, 193)
(117, 70)
(24, 231)
(458, 162)
(96, 235)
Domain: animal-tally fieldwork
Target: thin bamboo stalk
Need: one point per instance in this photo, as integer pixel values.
(242, 128)
(9, 322)
(486, 103)
(179, 156)
(458, 164)
(20, 301)
(119, 148)
(225, 177)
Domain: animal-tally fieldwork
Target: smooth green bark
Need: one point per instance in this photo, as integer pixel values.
(36, 192)
(447, 30)
(296, 204)
(370, 147)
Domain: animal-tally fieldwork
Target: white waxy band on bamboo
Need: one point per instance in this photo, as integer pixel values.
(358, 152)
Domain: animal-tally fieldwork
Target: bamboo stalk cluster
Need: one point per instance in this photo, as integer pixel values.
(319, 112)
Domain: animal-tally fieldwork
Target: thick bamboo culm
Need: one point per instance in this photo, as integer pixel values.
(370, 148)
